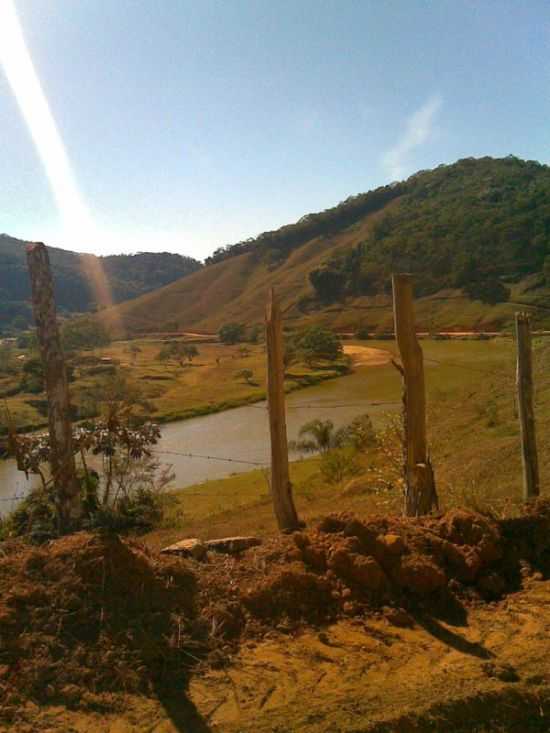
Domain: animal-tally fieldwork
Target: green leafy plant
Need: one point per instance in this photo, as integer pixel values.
(231, 333)
(339, 464)
(246, 374)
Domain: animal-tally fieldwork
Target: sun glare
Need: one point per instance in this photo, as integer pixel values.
(18, 67)
(79, 230)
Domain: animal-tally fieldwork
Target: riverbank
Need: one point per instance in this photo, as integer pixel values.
(218, 378)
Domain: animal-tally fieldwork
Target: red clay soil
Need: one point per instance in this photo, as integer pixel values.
(87, 616)
(347, 567)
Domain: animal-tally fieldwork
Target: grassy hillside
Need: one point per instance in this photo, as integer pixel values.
(79, 281)
(475, 234)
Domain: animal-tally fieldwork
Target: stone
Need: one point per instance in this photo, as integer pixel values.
(192, 547)
(232, 545)
(392, 543)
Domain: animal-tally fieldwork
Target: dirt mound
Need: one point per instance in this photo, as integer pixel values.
(86, 615)
(348, 566)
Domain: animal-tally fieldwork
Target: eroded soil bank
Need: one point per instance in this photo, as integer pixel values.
(356, 625)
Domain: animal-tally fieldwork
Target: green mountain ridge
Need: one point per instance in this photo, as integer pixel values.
(475, 234)
(83, 282)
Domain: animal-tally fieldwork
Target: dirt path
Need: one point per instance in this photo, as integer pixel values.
(366, 355)
(372, 676)
(366, 676)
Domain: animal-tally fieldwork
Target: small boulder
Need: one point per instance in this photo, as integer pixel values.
(232, 545)
(192, 547)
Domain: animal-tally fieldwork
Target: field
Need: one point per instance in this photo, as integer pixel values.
(174, 389)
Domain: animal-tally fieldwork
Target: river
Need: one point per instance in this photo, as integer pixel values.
(241, 434)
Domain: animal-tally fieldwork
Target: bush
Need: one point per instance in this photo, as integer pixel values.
(84, 333)
(246, 374)
(338, 464)
(139, 512)
(362, 333)
(359, 434)
(36, 515)
(255, 333)
(318, 343)
(32, 379)
(487, 291)
(231, 333)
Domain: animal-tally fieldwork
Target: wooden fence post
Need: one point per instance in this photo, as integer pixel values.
(420, 493)
(281, 489)
(62, 461)
(524, 382)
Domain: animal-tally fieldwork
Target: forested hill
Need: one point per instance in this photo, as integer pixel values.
(475, 233)
(76, 288)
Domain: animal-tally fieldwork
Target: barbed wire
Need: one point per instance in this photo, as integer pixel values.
(328, 406)
(208, 458)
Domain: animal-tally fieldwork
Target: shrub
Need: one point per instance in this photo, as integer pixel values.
(84, 333)
(490, 291)
(338, 464)
(318, 343)
(231, 333)
(359, 434)
(362, 333)
(245, 374)
(255, 333)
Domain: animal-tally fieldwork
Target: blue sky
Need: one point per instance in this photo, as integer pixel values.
(184, 125)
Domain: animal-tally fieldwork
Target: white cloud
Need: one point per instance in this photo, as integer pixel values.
(419, 129)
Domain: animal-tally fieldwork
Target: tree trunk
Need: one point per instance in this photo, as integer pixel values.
(524, 381)
(62, 461)
(281, 489)
(420, 493)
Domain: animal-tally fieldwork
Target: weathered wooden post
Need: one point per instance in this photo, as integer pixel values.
(62, 461)
(281, 488)
(524, 383)
(420, 493)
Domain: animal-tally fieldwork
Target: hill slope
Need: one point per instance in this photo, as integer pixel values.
(475, 234)
(79, 284)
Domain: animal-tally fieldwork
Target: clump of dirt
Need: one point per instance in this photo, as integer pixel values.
(86, 615)
(347, 566)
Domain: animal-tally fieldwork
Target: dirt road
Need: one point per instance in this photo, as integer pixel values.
(491, 673)
(366, 355)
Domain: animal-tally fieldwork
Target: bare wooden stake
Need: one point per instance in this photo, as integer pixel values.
(281, 489)
(420, 493)
(524, 382)
(62, 461)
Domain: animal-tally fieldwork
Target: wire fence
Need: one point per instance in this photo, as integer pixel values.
(322, 405)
